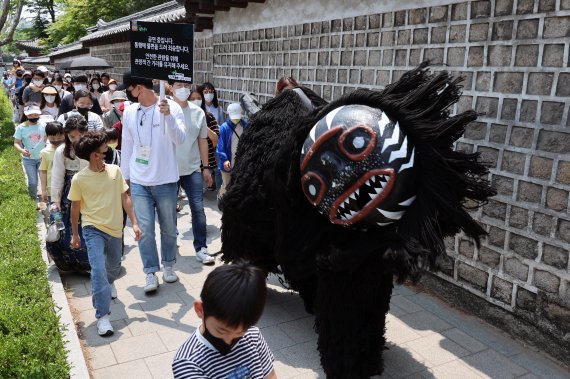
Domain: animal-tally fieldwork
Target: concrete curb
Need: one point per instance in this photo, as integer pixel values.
(75, 358)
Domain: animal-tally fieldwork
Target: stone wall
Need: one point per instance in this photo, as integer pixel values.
(514, 57)
(117, 54)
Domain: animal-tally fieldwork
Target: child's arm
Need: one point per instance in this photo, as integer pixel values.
(75, 211)
(43, 182)
(128, 207)
(20, 147)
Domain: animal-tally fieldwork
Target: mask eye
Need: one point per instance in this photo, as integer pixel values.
(313, 187)
(357, 142)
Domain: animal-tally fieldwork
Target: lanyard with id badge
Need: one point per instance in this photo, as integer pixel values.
(143, 152)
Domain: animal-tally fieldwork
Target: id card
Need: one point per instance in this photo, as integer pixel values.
(143, 154)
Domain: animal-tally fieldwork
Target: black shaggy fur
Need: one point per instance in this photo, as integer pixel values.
(345, 275)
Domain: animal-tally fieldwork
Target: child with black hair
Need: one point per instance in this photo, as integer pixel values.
(112, 156)
(55, 136)
(227, 345)
(99, 194)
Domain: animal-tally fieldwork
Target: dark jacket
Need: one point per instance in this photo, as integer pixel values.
(67, 105)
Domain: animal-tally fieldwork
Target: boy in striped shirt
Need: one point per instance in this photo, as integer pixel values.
(227, 345)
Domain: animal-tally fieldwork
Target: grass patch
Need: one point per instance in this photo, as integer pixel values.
(30, 341)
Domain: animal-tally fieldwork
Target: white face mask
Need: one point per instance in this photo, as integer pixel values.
(49, 98)
(117, 106)
(182, 93)
(198, 102)
(57, 87)
(209, 97)
(112, 87)
(95, 86)
(38, 83)
(79, 87)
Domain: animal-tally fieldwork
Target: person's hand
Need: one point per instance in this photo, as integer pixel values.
(138, 233)
(26, 153)
(208, 177)
(227, 166)
(75, 241)
(57, 205)
(164, 107)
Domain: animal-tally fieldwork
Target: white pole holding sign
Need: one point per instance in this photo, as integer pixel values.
(162, 96)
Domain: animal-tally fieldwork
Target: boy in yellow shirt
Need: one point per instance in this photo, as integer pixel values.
(99, 194)
(55, 136)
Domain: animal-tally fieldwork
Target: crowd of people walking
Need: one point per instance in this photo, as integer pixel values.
(55, 114)
(96, 152)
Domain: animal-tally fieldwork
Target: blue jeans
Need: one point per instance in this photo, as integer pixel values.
(193, 185)
(147, 199)
(31, 168)
(217, 176)
(104, 253)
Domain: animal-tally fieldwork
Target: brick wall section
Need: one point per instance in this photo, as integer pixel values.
(514, 56)
(117, 54)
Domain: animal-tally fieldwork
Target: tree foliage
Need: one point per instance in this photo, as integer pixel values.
(10, 13)
(78, 15)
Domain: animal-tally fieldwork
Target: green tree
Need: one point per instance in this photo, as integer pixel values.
(9, 19)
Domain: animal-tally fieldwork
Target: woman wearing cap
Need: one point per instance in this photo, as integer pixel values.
(29, 140)
(114, 114)
(230, 133)
(105, 99)
(50, 101)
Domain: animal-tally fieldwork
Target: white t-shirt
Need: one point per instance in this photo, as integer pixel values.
(249, 358)
(52, 110)
(148, 151)
(188, 154)
(60, 165)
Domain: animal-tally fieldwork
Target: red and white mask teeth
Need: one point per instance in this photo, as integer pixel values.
(357, 167)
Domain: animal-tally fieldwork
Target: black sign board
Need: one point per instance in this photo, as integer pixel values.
(162, 51)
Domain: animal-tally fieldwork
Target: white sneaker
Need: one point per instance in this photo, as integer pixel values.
(104, 327)
(203, 256)
(168, 275)
(113, 291)
(151, 283)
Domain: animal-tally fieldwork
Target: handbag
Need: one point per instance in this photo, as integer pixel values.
(52, 234)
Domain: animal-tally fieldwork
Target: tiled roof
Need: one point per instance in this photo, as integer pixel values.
(169, 12)
(43, 60)
(72, 47)
(29, 45)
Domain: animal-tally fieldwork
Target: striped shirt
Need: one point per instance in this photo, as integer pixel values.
(213, 125)
(250, 358)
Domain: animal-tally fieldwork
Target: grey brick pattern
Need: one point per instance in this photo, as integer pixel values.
(117, 54)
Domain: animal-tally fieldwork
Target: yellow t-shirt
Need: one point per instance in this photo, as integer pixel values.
(100, 196)
(46, 155)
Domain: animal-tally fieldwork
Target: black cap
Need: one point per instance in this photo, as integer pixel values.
(129, 80)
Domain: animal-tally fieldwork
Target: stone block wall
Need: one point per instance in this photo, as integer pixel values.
(514, 57)
(117, 54)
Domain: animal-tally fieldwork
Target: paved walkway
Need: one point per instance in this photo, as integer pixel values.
(427, 338)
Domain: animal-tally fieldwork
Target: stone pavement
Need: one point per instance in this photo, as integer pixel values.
(427, 338)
